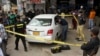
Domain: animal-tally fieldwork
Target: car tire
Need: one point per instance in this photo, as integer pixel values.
(56, 36)
(56, 39)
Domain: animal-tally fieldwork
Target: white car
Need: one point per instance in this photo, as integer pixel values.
(43, 26)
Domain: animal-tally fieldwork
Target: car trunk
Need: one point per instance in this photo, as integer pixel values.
(37, 30)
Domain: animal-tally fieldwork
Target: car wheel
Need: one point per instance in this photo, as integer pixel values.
(56, 37)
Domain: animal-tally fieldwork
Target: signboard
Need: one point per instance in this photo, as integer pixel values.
(37, 1)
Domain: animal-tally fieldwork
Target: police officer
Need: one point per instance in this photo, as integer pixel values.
(91, 48)
(80, 27)
(20, 29)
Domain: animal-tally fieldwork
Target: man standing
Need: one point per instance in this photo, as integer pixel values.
(91, 48)
(12, 18)
(3, 36)
(91, 18)
(20, 29)
(74, 23)
(64, 25)
(80, 27)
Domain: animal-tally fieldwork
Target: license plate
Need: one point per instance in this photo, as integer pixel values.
(36, 33)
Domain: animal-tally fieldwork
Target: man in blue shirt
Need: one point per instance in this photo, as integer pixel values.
(64, 25)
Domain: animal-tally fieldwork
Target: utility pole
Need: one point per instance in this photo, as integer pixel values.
(20, 7)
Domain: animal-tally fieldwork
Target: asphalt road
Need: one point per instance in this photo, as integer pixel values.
(36, 49)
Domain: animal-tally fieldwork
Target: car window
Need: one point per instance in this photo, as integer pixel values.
(41, 22)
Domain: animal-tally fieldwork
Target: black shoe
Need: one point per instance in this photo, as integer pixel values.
(25, 50)
(78, 39)
(7, 55)
(16, 49)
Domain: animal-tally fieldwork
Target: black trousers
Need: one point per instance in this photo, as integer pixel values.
(23, 41)
(85, 53)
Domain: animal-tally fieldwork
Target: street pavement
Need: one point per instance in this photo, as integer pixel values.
(37, 49)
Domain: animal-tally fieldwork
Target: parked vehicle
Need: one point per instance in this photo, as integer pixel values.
(43, 26)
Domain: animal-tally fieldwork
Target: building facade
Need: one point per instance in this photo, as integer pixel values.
(58, 4)
(5, 5)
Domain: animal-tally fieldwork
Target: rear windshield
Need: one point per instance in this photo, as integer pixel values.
(41, 22)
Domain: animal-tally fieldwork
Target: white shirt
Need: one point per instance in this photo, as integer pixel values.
(3, 33)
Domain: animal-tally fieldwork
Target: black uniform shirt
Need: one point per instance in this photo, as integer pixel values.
(94, 42)
(20, 27)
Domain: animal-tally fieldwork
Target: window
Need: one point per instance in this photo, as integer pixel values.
(41, 22)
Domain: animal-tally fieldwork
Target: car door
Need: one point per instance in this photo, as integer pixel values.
(57, 29)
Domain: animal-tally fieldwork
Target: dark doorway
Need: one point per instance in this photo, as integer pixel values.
(78, 3)
(14, 1)
(96, 5)
(47, 5)
(63, 5)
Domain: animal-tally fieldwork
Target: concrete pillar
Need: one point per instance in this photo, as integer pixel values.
(72, 3)
(20, 7)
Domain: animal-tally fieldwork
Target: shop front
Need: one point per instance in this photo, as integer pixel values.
(38, 4)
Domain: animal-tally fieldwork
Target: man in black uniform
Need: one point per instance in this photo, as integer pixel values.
(20, 29)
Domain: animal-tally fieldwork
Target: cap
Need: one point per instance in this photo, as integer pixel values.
(95, 30)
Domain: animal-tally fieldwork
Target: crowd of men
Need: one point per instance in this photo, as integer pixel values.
(12, 18)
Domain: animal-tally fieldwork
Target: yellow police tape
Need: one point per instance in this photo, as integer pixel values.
(43, 39)
(13, 26)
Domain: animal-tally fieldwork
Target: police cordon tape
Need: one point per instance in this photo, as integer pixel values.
(42, 39)
(13, 26)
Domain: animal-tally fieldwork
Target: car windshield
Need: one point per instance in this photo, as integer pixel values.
(41, 22)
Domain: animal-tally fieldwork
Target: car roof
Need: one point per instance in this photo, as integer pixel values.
(46, 16)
